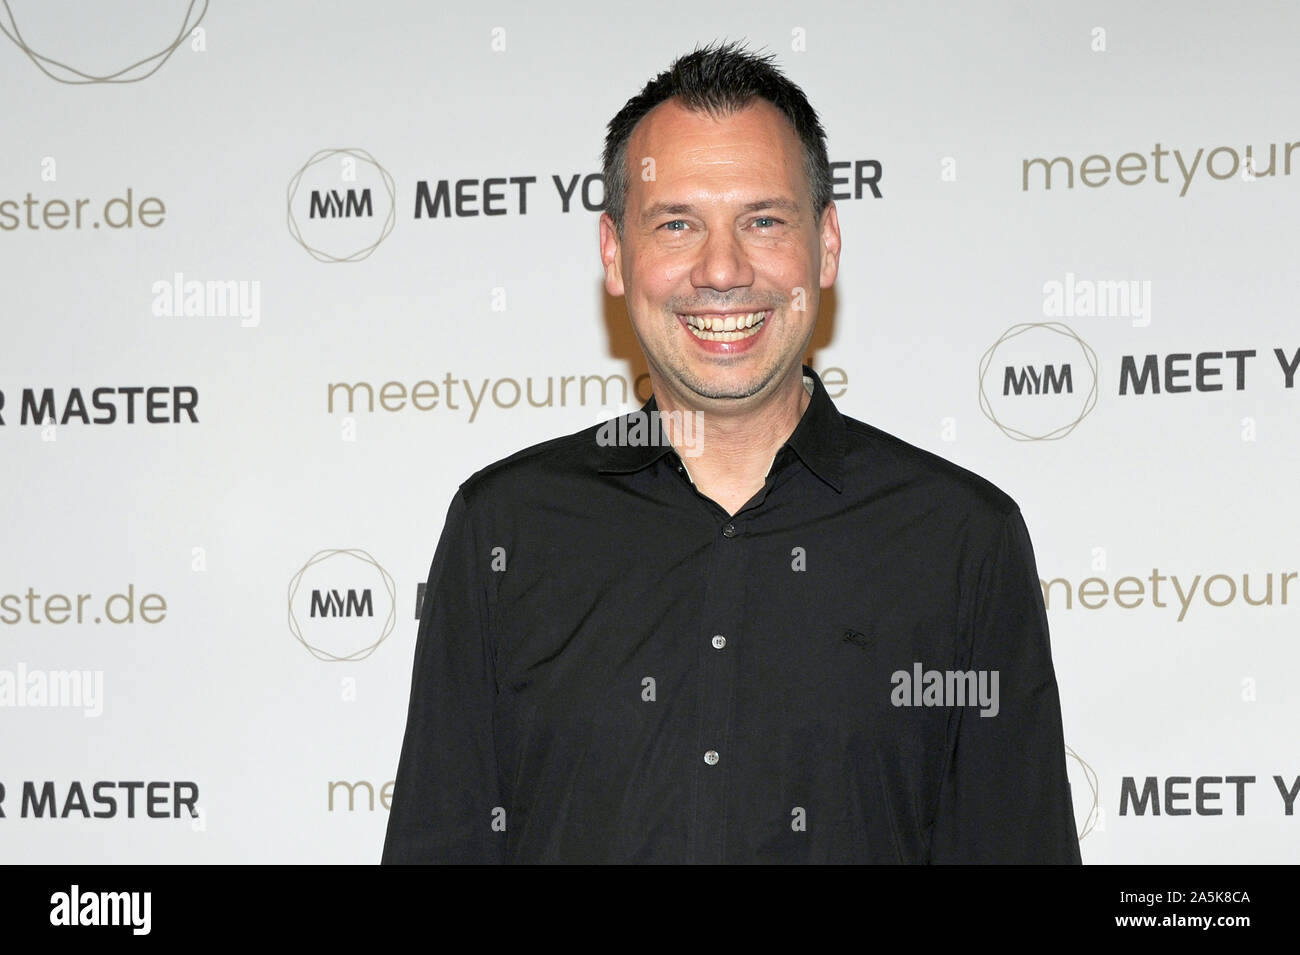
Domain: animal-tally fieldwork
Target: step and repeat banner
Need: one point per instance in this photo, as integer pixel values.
(279, 276)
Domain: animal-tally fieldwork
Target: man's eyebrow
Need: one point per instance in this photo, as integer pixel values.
(685, 208)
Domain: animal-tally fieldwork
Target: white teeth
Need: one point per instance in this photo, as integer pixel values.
(728, 328)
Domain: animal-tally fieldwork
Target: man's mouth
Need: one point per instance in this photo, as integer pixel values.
(725, 328)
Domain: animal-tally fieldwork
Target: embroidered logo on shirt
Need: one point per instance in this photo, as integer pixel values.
(857, 638)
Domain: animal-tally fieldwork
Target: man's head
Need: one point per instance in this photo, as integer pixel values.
(718, 205)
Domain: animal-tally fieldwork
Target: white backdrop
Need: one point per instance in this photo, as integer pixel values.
(224, 282)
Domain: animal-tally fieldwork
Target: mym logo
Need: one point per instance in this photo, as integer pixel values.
(1038, 381)
(336, 205)
(341, 205)
(331, 603)
(342, 605)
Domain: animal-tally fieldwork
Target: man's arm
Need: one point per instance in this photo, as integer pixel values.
(1005, 797)
(446, 795)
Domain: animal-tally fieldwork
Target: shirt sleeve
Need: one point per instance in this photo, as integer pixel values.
(1004, 796)
(446, 805)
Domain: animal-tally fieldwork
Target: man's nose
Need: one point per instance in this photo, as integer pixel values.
(723, 263)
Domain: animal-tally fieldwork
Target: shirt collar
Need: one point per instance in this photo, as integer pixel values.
(818, 440)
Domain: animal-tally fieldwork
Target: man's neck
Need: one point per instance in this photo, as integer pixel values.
(730, 457)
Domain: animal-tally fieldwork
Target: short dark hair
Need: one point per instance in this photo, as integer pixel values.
(718, 79)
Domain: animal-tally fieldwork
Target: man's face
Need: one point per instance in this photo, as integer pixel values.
(720, 226)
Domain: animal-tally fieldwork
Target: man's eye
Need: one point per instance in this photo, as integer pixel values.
(766, 222)
(669, 225)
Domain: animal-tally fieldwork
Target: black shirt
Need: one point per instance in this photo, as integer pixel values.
(610, 668)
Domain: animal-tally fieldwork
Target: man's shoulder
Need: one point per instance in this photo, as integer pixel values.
(890, 460)
(566, 457)
(880, 458)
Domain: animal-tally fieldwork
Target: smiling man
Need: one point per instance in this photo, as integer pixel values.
(775, 635)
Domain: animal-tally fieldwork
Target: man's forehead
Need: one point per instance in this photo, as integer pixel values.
(743, 154)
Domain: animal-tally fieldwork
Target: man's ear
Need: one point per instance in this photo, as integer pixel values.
(611, 256)
(830, 246)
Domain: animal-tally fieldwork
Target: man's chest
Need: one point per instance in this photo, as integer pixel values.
(788, 623)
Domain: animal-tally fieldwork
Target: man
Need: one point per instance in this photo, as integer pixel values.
(755, 630)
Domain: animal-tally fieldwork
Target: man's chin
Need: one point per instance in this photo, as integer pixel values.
(725, 387)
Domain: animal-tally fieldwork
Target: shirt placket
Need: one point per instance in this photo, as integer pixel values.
(719, 639)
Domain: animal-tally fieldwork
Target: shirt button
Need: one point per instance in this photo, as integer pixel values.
(711, 757)
(719, 641)
(729, 530)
